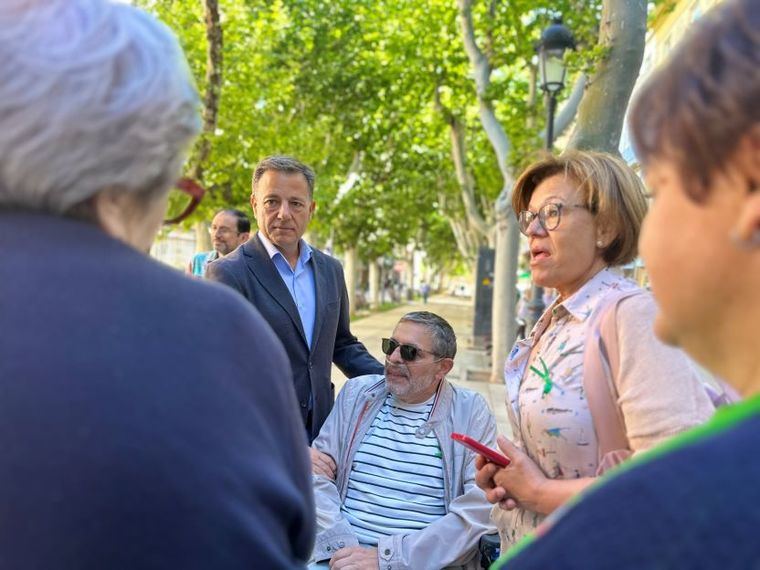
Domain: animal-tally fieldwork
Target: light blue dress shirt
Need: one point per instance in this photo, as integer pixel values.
(299, 281)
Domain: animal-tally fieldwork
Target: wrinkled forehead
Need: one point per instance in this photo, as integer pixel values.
(419, 335)
(283, 183)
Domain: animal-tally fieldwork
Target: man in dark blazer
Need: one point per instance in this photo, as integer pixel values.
(298, 289)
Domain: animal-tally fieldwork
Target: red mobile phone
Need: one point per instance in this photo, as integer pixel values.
(479, 448)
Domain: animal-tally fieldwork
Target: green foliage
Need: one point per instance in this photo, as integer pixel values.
(325, 80)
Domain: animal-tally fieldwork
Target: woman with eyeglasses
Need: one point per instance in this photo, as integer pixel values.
(693, 502)
(581, 213)
(147, 420)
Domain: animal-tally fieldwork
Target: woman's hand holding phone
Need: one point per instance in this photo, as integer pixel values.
(491, 454)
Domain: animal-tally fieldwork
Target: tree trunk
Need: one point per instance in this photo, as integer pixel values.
(602, 110)
(503, 320)
(503, 324)
(410, 277)
(211, 96)
(374, 284)
(202, 237)
(350, 273)
(464, 177)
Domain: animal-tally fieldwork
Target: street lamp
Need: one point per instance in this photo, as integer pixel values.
(555, 40)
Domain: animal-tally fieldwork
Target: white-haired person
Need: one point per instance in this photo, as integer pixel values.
(124, 445)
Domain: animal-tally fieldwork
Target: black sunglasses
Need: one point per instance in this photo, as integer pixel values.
(408, 352)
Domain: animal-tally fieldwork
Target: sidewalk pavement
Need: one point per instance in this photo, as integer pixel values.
(459, 313)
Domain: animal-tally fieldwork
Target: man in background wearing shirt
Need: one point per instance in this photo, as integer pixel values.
(229, 229)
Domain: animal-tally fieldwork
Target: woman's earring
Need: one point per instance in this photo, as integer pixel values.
(599, 243)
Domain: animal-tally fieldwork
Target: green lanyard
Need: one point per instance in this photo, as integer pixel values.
(724, 418)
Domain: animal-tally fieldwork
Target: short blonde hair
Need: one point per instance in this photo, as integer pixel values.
(609, 188)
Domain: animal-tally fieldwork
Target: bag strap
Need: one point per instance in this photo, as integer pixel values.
(601, 363)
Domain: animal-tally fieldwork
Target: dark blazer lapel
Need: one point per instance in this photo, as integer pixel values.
(321, 287)
(263, 268)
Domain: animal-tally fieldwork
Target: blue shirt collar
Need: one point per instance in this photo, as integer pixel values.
(303, 248)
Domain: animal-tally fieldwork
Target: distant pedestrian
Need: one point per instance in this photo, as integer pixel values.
(229, 229)
(425, 291)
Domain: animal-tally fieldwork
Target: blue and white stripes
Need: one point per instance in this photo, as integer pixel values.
(396, 481)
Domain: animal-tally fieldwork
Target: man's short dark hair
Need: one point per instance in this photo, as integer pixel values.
(444, 339)
(287, 164)
(243, 223)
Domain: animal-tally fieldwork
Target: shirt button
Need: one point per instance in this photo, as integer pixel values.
(328, 549)
(341, 544)
(387, 551)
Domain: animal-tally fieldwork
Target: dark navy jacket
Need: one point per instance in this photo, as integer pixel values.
(695, 508)
(250, 270)
(147, 419)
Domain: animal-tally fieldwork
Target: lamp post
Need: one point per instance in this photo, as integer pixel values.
(555, 40)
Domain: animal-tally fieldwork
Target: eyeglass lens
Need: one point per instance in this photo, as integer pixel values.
(548, 216)
(408, 352)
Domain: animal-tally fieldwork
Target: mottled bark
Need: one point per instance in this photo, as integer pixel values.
(602, 110)
(504, 327)
(374, 284)
(214, 44)
(464, 177)
(202, 237)
(504, 333)
(210, 108)
(349, 271)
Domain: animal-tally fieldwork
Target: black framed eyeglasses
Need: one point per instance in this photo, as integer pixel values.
(408, 352)
(548, 215)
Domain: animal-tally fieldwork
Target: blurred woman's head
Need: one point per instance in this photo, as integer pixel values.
(696, 129)
(97, 109)
(581, 211)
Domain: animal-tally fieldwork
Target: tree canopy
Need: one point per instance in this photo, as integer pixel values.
(355, 88)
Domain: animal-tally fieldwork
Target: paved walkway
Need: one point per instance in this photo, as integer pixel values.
(459, 312)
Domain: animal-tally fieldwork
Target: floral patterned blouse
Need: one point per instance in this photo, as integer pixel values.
(659, 390)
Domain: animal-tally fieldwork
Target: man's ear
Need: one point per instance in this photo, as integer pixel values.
(312, 208)
(748, 222)
(244, 237)
(746, 158)
(446, 365)
(747, 161)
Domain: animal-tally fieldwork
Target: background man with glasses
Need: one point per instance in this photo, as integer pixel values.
(403, 494)
(229, 229)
